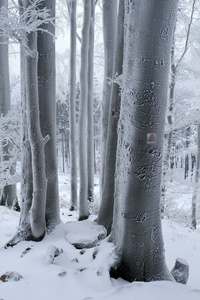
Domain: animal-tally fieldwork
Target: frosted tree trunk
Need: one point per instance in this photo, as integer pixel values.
(105, 216)
(47, 102)
(136, 229)
(196, 179)
(26, 160)
(9, 195)
(83, 192)
(90, 125)
(72, 105)
(37, 218)
(109, 34)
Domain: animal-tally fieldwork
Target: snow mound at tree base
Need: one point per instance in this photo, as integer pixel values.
(157, 290)
(86, 234)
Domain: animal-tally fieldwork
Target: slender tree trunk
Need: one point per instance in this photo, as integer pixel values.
(136, 229)
(72, 105)
(196, 179)
(47, 102)
(90, 125)
(37, 218)
(109, 33)
(105, 216)
(26, 160)
(83, 192)
(9, 196)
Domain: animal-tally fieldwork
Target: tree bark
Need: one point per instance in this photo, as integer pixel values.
(90, 125)
(105, 216)
(83, 192)
(136, 229)
(72, 105)
(109, 34)
(37, 218)
(47, 102)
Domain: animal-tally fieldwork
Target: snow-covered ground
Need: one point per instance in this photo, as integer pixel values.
(78, 274)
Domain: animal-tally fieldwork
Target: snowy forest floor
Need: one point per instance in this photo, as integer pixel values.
(78, 274)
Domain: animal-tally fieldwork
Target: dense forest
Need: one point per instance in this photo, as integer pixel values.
(106, 94)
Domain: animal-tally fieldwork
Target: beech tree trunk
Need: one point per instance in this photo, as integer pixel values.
(37, 218)
(105, 216)
(136, 229)
(72, 105)
(83, 192)
(90, 125)
(8, 195)
(47, 102)
(109, 34)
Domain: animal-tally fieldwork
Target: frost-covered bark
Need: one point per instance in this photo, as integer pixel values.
(105, 216)
(37, 219)
(109, 34)
(47, 102)
(72, 105)
(9, 195)
(83, 192)
(90, 124)
(136, 229)
(196, 189)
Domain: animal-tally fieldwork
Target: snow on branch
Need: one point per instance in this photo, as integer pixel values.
(17, 21)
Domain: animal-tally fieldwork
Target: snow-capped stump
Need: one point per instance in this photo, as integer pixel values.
(84, 234)
(180, 271)
(10, 276)
(52, 252)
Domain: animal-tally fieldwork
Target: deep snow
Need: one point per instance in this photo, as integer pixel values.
(78, 274)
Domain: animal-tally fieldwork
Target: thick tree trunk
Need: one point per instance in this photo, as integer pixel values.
(47, 102)
(109, 33)
(37, 218)
(9, 196)
(105, 216)
(90, 125)
(72, 105)
(83, 192)
(136, 229)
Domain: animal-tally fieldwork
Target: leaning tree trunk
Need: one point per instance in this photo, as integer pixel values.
(109, 33)
(72, 105)
(9, 195)
(90, 124)
(136, 229)
(105, 216)
(83, 192)
(37, 217)
(47, 102)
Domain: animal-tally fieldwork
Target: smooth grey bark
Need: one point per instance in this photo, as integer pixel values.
(72, 105)
(196, 180)
(90, 123)
(109, 35)
(136, 229)
(26, 159)
(105, 215)
(47, 103)
(83, 190)
(37, 218)
(9, 195)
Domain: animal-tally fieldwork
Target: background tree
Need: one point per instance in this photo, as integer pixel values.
(109, 34)
(136, 229)
(8, 193)
(47, 102)
(72, 104)
(105, 215)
